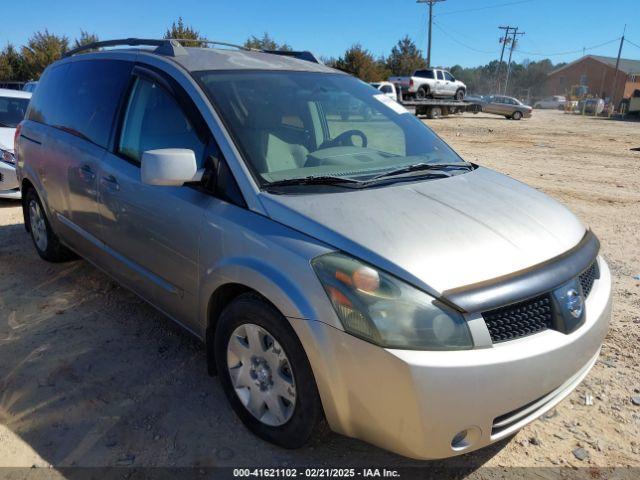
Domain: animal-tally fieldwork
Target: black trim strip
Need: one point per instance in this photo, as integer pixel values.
(37, 142)
(527, 283)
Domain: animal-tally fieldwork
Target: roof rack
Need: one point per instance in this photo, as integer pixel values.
(300, 55)
(165, 46)
(172, 47)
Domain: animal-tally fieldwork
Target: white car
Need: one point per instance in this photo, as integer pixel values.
(387, 88)
(555, 102)
(13, 106)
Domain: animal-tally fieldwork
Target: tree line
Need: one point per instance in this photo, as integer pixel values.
(526, 79)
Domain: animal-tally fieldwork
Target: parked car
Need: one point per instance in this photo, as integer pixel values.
(509, 107)
(430, 83)
(387, 88)
(555, 102)
(29, 86)
(13, 105)
(356, 272)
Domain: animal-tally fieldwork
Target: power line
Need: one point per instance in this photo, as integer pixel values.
(487, 7)
(570, 51)
(629, 41)
(459, 42)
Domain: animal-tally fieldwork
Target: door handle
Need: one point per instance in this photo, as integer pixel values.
(110, 183)
(87, 174)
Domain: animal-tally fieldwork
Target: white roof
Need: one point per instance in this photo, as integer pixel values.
(7, 92)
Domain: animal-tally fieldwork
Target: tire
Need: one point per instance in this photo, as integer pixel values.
(47, 243)
(422, 93)
(459, 94)
(516, 115)
(300, 416)
(434, 112)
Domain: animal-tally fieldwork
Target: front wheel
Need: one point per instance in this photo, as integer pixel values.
(265, 373)
(459, 94)
(516, 115)
(44, 239)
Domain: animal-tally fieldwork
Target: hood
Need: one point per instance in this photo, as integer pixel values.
(6, 138)
(437, 234)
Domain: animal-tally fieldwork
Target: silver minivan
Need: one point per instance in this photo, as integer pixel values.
(351, 272)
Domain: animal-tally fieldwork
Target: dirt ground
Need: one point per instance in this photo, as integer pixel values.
(92, 376)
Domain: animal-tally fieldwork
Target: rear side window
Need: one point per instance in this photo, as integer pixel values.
(44, 105)
(424, 74)
(82, 98)
(155, 120)
(91, 97)
(440, 76)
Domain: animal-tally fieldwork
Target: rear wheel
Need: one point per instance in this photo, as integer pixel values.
(422, 93)
(46, 242)
(516, 115)
(265, 373)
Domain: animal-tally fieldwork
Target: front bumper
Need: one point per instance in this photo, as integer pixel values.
(9, 186)
(415, 402)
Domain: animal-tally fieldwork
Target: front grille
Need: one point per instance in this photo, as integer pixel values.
(520, 319)
(587, 278)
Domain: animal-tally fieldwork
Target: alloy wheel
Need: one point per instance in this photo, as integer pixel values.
(38, 225)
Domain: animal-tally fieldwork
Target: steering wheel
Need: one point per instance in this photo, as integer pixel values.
(345, 139)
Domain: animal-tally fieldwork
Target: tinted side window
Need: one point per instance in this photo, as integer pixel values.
(154, 120)
(440, 76)
(424, 73)
(449, 77)
(44, 105)
(90, 98)
(386, 89)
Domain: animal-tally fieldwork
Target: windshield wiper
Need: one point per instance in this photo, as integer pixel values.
(418, 167)
(5, 125)
(313, 180)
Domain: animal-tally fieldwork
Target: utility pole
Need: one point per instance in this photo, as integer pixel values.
(615, 76)
(513, 45)
(431, 3)
(504, 42)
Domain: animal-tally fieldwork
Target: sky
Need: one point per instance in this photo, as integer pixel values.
(465, 32)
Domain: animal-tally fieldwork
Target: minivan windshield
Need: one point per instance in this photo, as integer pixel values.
(304, 125)
(12, 111)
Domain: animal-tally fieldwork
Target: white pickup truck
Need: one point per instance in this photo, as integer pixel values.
(430, 83)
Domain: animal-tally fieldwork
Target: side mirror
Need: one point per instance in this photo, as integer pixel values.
(169, 167)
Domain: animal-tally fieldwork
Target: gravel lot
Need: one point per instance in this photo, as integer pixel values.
(92, 376)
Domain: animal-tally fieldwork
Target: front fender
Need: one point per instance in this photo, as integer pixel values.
(256, 274)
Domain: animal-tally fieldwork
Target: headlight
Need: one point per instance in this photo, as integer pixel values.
(384, 310)
(7, 156)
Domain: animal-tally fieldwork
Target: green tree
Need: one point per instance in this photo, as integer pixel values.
(42, 49)
(180, 30)
(85, 39)
(265, 43)
(360, 62)
(12, 65)
(405, 58)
